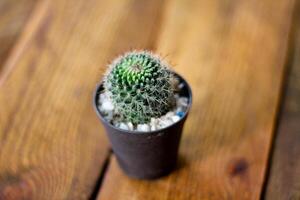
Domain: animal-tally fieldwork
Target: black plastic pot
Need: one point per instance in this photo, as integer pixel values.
(146, 155)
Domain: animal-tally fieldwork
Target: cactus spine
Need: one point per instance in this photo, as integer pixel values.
(140, 85)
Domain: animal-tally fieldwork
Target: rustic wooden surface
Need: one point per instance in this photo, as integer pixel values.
(233, 53)
(13, 16)
(51, 144)
(284, 182)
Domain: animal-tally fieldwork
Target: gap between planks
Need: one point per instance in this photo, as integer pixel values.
(99, 182)
(284, 173)
(283, 92)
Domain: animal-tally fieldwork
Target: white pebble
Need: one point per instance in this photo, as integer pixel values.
(143, 127)
(182, 101)
(130, 126)
(107, 106)
(153, 124)
(165, 123)
(175, 118)
(181, 85)
(102, 97)
(153, 127)
(116, 124)
(170, 114)
(153, 121)
(179, 109)
(123, 126)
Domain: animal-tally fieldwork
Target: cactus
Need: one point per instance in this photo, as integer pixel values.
(140, 86)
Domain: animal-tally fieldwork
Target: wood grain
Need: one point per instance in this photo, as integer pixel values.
(52, 146)
(284, 181)
(14, 15)
(232, 53)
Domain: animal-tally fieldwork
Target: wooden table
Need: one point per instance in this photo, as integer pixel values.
(241, 57)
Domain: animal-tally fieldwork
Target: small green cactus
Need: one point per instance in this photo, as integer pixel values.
(141, 86)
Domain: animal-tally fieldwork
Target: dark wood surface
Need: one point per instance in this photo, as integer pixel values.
(233, 53)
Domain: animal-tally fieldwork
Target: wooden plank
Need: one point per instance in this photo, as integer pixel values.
(14, 15)
(284, 180)
(52, 146)
(232, 53)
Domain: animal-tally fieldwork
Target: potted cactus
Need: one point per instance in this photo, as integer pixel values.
(143, 105)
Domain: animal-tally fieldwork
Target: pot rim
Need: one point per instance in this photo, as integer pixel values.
(142, 133)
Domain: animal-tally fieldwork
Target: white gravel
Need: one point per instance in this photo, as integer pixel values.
(143, 127)
(107, 110)
(130, 126)
(123, 126)
(175, 118)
